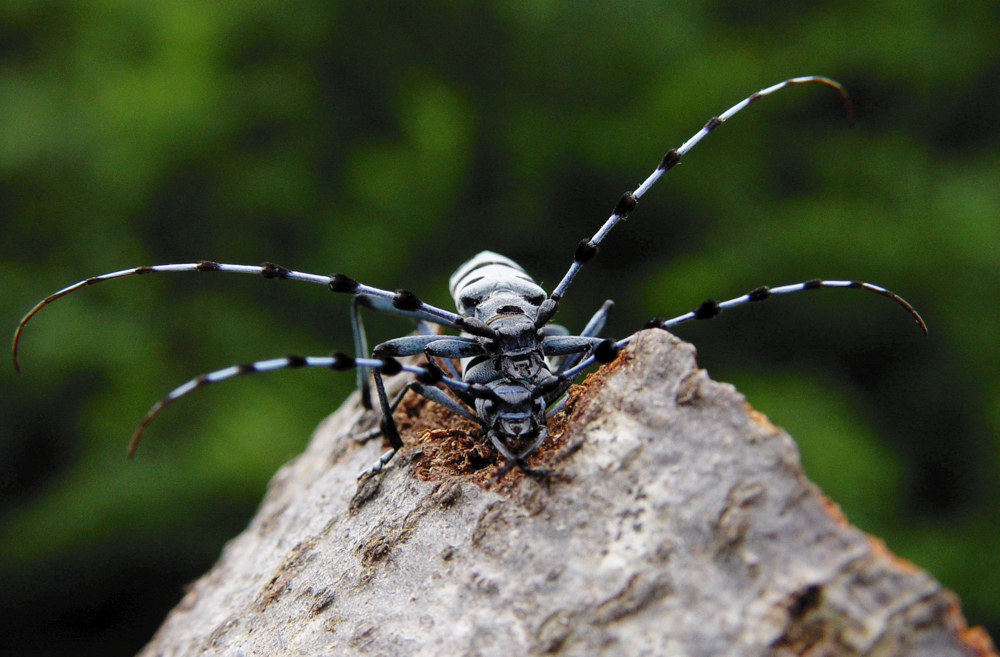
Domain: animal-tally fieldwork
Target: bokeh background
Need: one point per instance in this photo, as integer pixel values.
(393, 140)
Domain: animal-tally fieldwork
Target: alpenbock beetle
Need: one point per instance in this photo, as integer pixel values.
(516, 364)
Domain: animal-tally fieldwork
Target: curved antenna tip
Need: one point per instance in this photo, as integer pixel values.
(848, 105)
(24, 321)
(133, 442)
(16, 341)
(913, 311)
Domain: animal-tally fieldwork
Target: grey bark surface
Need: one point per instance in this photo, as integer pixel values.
(682, 525)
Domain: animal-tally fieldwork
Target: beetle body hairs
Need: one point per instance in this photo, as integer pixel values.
(516, 365)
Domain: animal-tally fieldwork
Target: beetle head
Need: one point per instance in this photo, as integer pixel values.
(514, 418)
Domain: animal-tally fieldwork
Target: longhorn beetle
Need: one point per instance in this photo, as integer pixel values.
(516, 364)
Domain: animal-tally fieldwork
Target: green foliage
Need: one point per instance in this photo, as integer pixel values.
(393, 141)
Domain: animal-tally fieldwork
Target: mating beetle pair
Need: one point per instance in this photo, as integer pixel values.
(516, 365)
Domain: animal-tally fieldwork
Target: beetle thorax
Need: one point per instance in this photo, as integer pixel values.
(517, 350)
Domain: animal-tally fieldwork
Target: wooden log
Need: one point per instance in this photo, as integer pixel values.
(681, 524)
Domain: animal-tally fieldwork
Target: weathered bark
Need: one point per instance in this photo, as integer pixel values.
(682, 525)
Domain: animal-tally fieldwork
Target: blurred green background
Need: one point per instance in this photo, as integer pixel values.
(391, 141)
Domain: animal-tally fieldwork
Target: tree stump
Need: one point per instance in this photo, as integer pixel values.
(680, 523)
